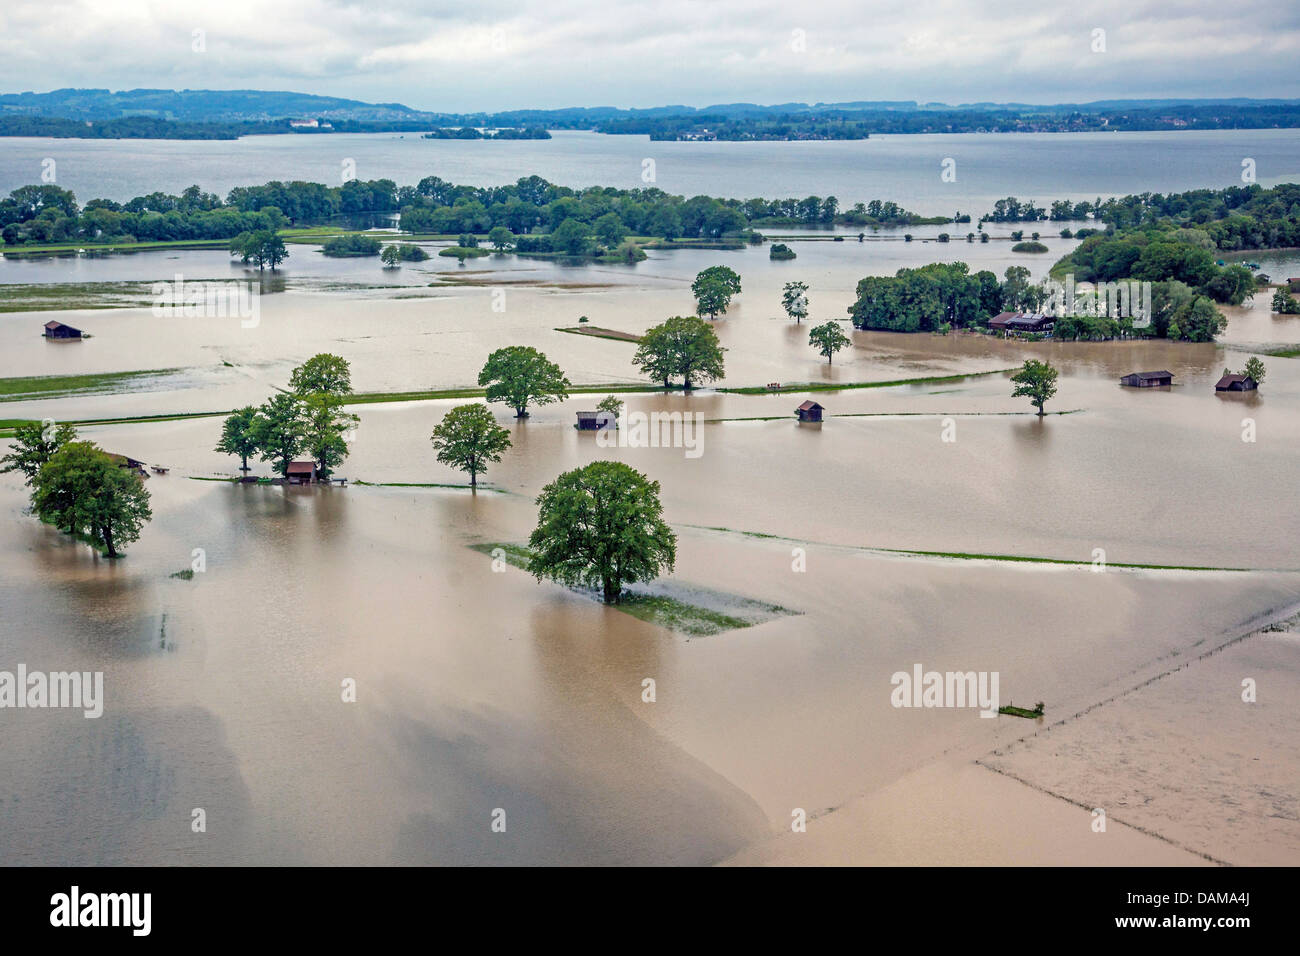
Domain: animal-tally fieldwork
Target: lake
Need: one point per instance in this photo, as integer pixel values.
(905, 169)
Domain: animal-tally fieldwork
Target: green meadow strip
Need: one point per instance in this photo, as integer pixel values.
(661, 610)
(60, 386)
(782, 418)
(980, 556)
(844, 386)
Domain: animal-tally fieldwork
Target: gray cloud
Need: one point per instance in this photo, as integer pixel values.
(497, 55)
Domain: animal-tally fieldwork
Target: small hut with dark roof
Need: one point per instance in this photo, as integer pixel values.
(57, 330)
(1236, 383)
(1148, 379)
(809, 411)
(301, 472)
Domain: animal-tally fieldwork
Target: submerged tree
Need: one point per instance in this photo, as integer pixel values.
(239, 435)
(323, 383)
(828, 339)
(35, 443)
(84, 491)
(519, 375)
(601, 526)
(794, 299)
(323, 373)
(325, 429)
(262, 247)
(468, 439)
(1037, 381)
(683, 345)
(280, 427)
(713, 289)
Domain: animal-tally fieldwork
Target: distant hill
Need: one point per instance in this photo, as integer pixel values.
(232, 113)
(202, 106)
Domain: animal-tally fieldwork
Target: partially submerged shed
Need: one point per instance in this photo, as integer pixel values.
(809, 411)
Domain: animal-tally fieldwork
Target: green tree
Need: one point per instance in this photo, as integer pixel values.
(666, 222)
(610, 230)
(1255, 369)
(325, 429)
(1284, 303)
(262, 247)
(1037, 381)
(713, 288)
(239, 435)
(35, 443)
(711, 298)
(391, 257)
(468, 438)
(601, 526)
(683, 345)
(273, 251)
(280, 430)
(519, 375)
(1017, 291)
(1203, 321)
(83, 491)
(501, 238)
(323, 373)
(116, 507)
(571, 238)
(794, 299)
(828, 339)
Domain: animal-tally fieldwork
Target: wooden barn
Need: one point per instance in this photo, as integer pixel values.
(809, 411)
(1148, 379)
(1293, 285)
(595, 421)
(57, 330)
(1236, 383)
(301, 472)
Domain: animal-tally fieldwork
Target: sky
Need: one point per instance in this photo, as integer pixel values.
(515, 54)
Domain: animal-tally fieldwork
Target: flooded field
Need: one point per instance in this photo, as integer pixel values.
(480, 689)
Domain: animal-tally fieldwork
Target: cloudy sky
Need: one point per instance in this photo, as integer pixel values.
(502, 54)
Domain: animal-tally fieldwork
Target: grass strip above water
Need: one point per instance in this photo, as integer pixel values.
(979, 556)
(1014, 711)
(370, 398)
(63, 386)
(790, 417)
(695, 611)
(427, 484)
(596, 332)
(844, 386)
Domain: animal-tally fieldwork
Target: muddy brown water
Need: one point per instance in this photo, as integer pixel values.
(479, 690)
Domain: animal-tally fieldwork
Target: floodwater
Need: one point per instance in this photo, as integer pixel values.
(479, 691)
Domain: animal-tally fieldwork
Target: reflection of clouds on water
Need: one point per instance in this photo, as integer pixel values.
(120, 790)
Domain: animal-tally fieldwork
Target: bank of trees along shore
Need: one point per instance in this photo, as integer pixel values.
(77, 487)
(307, 418)
(943, 296)
(533, 210)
